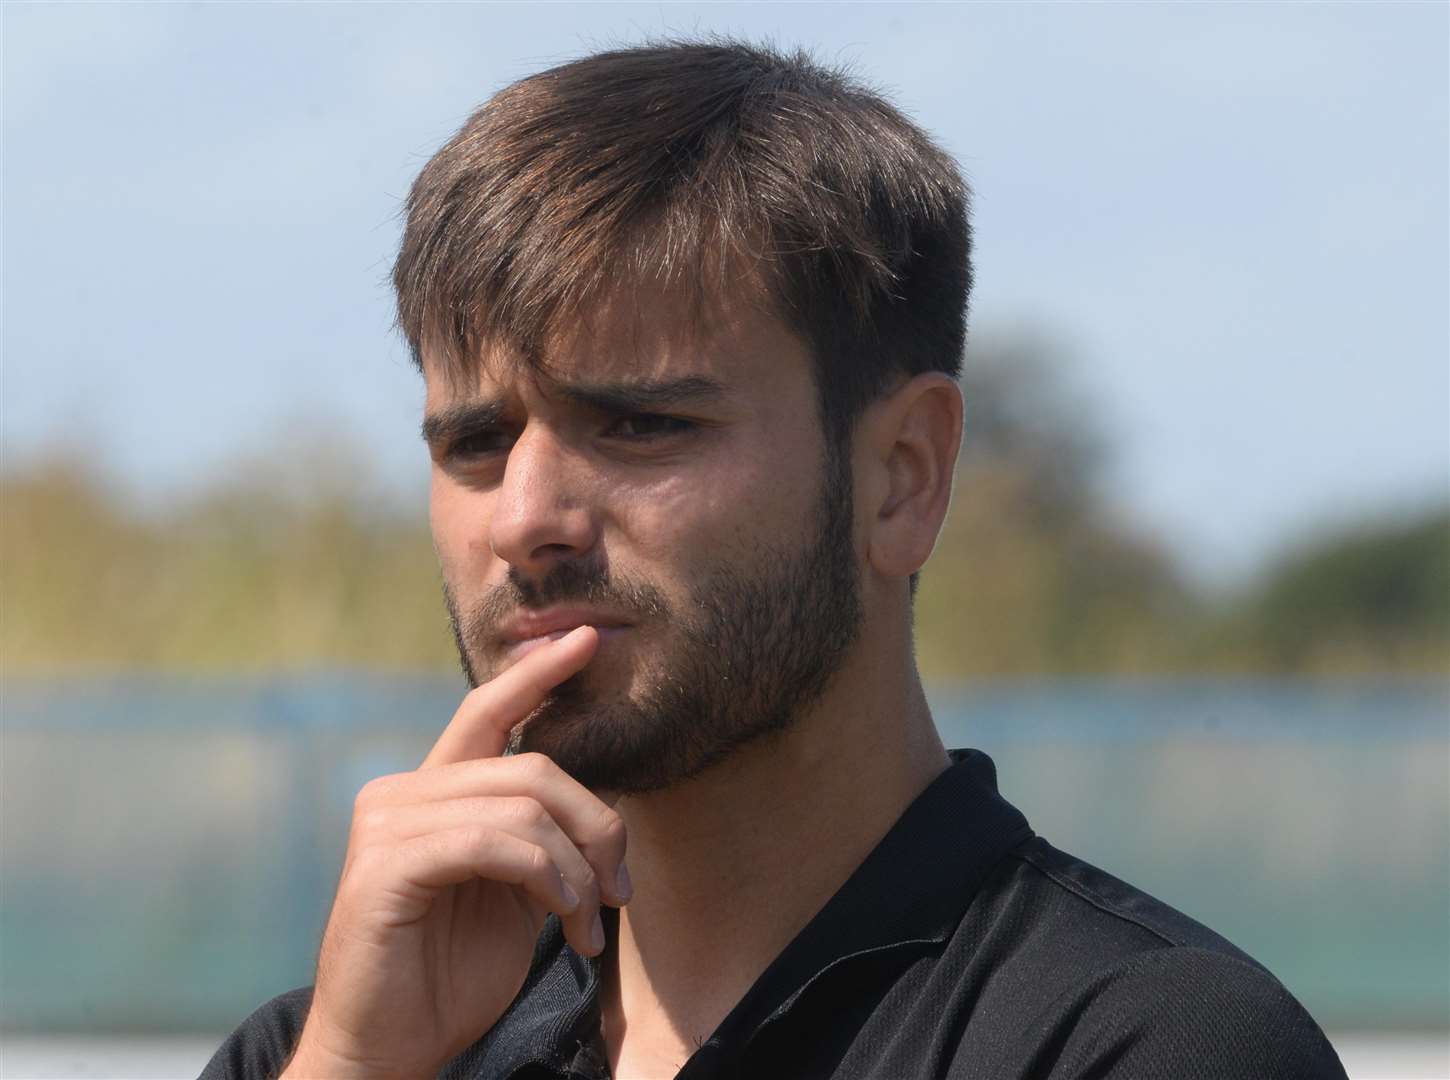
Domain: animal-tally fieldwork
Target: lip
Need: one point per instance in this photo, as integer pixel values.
(529, 630)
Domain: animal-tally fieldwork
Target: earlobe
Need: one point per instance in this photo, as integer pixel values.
(916, 436)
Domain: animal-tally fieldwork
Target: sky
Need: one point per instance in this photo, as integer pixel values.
(1231, 220)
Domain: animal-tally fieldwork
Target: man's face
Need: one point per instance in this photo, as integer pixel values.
(673, 490)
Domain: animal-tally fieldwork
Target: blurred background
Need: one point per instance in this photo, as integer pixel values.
(1193, 595)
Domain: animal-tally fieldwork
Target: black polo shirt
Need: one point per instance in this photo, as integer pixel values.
(964, 946)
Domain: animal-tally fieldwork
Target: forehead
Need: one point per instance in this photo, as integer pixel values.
(642, 337)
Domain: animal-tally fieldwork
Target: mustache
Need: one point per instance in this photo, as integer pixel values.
(568, 581)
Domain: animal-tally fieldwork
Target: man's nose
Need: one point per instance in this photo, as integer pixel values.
(543, 511)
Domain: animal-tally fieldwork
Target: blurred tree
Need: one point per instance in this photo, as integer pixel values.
(1372, 597)
(1032, 573)
(283, 564)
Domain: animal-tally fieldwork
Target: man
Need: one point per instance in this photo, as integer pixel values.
(689, 319)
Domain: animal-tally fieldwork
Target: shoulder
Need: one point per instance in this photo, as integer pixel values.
(1188, 1011)
(1109, 981)
(1078, 894)
(263, 1042)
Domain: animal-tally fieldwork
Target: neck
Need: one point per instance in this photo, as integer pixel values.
(729, 867)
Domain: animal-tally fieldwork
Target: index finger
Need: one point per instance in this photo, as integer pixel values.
(480, 728)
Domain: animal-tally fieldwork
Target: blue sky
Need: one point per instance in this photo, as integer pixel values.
(1233, 217)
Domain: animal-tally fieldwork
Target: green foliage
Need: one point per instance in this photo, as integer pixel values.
(1031, 574)
(1370, 596)
(239, 579)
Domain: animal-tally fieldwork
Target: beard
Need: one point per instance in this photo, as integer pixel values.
(754, 644)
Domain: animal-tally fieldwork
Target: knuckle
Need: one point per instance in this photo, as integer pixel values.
(588, 881)
(525, 811)
(610, 828)
(480, 839)
(365, 796)
(369, 820)
(538, 862)
(362, 864)
(375, 790)
(535, 767)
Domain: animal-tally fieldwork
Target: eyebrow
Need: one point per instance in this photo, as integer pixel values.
(615, 398)
(643, 395)
(455, 421)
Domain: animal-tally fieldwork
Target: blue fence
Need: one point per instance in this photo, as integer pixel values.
(170, 848)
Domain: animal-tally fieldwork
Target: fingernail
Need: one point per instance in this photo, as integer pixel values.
(571, 898)
(597, 937)
(623, 887)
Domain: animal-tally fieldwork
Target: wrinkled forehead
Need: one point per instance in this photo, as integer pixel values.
(639, 332)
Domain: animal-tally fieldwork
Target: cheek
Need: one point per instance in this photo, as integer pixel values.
(696, 517)
(457, 519)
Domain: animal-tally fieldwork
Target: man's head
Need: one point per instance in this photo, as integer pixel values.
(686, 165)
(653, 294)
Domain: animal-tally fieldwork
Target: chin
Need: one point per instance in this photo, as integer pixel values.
(609, 744)
(571, 714)
(580, 738)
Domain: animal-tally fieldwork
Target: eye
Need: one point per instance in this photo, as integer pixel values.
(477, 444)
(650, 426)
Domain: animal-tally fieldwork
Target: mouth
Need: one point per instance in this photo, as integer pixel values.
(516, 650)
(534, 629)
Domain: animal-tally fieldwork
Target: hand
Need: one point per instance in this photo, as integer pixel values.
(450, 873)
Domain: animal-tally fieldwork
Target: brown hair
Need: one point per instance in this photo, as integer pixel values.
(681, 162)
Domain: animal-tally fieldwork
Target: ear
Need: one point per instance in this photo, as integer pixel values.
(910, 442)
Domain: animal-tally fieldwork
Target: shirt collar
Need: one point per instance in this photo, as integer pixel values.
(911, 890)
